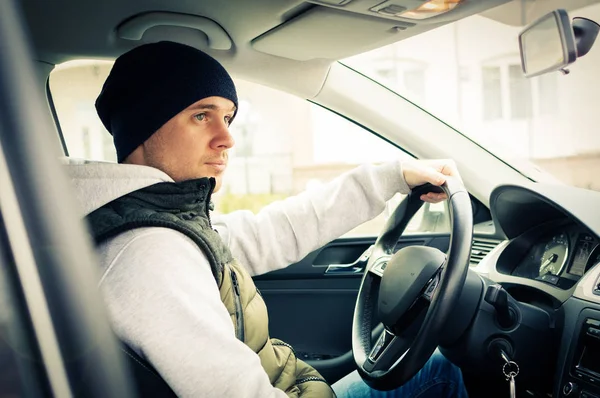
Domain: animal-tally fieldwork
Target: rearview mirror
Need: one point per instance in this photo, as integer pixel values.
(547, 44)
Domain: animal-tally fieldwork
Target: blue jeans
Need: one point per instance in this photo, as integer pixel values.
(438, 378)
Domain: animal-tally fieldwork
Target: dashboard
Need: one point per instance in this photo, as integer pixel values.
(558, 253)
(550, 260)
(552, 241)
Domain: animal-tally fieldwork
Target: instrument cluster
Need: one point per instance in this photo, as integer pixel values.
(559, 256)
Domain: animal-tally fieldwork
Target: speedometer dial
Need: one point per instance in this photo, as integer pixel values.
(555, 255)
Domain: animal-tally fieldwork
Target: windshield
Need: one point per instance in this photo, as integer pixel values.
(469, 75)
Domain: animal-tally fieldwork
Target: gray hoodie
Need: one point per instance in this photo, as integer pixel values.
(161, 296)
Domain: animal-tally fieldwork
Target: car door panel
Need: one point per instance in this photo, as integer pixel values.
(312, 310)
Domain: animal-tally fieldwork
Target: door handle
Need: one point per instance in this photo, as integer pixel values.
(345, 269)
(355, 268)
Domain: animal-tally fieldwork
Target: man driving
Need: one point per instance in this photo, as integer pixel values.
(177, 283)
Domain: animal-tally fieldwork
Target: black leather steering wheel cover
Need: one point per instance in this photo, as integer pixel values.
(448, 291)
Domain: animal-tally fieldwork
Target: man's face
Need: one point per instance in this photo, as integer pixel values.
(194, 143)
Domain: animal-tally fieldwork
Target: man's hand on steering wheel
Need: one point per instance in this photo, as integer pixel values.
(419, 172)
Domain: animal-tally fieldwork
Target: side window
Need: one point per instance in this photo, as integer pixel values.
(284, 145)
(74, 87)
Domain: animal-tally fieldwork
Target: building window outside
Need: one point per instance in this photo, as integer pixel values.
(414, 81)
(492, 93)
(508, 95)
(405, 76)
(519, 93)
(547, 88)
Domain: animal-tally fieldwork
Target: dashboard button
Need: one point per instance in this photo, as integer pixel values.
(593, 332)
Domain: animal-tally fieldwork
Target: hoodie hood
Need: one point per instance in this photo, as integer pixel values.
(98, 183)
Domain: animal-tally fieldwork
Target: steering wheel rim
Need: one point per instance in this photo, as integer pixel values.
(396, 358)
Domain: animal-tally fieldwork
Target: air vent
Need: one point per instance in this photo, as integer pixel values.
(481, 247)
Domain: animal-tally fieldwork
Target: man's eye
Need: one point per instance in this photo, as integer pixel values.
(227, 120)
(200, 116)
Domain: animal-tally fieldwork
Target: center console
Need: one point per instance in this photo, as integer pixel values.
(581, 376)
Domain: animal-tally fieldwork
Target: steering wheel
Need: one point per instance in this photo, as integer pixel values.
(412, 292)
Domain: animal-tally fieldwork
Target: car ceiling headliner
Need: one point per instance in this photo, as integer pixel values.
(67, 28)
(63, 30)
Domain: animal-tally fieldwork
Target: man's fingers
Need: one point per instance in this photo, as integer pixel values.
(419, 172)
(449, 168)
(433, 177)
(434, 197)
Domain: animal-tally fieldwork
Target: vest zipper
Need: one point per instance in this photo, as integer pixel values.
(283, 343)
(209, 222)
(239, 314)
(311, 378)
(209, 203)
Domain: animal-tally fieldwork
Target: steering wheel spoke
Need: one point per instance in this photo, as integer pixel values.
(432, 286)
(379, 265)
(413, 317)
(385, 352)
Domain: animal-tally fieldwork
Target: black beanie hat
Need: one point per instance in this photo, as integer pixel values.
(150, 84)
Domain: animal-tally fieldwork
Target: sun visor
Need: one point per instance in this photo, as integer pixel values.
(336, 29)
(328, 33)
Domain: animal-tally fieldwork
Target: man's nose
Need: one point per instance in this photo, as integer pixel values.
(223, 138)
